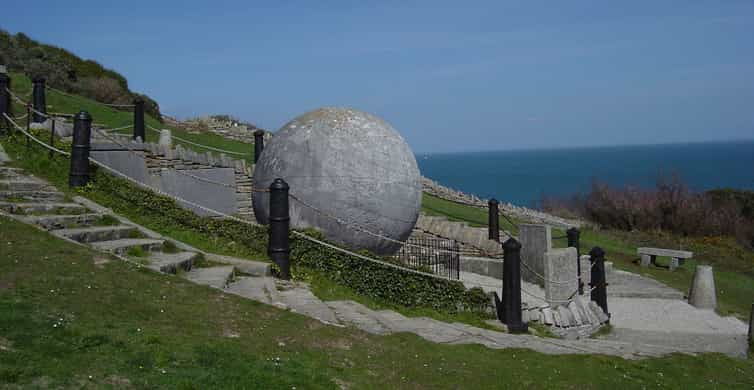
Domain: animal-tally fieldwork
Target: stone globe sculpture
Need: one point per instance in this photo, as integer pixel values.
(348, 171)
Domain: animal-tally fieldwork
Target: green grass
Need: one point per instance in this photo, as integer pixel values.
(107, 220)
(136, 251)
(733, 264)
(34, 160)
(112, 118)
(477, 217)
(327, 290)
(70, 317)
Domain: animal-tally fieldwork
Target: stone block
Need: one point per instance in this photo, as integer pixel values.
(536, 240)
(560, 272)
(702, 293)
(166, 138)
(646, 260)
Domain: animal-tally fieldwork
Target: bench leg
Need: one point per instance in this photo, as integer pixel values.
(645, 260)
(674, 263)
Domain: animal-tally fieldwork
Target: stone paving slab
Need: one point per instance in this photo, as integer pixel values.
(217, 277)
(171, 262)
(300, 299)
(354, 313)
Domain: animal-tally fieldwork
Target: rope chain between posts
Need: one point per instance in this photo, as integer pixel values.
(35, 139)
(179, 171)
(225, 215)
(74, 96)
(198, 144)
(358, 227)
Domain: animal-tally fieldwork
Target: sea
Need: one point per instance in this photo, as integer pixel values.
(524, 177)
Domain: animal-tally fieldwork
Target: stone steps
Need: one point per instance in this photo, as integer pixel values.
(63, 221)
(260, 289)
(42, 207)
(23, 184)
(217, 277)
(97, 233)
(122, 245)
(299, 298)
(34, 196)
(171, 263)
(580, 318)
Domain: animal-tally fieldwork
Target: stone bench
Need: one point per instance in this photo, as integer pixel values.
(649, 255)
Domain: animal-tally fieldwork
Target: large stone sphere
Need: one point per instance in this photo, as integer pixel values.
(353, 168)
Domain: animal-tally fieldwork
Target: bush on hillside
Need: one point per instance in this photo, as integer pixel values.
(671, 206)
(66, 71)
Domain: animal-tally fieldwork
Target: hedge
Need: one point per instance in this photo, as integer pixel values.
(370, 279)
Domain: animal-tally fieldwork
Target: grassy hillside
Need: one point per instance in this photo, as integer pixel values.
(112, 118)
(70, 317)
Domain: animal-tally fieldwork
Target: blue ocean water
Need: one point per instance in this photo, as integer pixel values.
(522, 177)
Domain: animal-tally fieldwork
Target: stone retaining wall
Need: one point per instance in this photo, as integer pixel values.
(433, 188)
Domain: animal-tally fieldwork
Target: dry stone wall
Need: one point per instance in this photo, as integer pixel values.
(436, 189)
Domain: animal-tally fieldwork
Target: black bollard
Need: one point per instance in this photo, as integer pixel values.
(52, 137)
(573, 242)
(5, 101)
(493, 220)
(139, 131)
(40, 105)
(512, 286)
(751, 324)
(279, 225)
(599, 283)
(82, 128)
(258, 144)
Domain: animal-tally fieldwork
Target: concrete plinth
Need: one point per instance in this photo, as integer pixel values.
(560, 275)
(166, 139)
(646, 260)
(536, 240)
(702, 293)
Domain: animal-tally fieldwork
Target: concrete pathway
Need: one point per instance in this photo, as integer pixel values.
(293, 296)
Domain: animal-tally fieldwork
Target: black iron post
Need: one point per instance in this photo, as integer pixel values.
(52, 136)
(5, 100)
(751, 326)
(493, 220)
(258, 144)
(139, 131)
(512, 286)
(28, 123)
(598, 283)
(573, 241)
(40, 105)
(279, 248)
(82, 129)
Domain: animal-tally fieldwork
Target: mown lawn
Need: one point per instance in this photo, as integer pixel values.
(112, 118)
(477, 217)
(70, 317)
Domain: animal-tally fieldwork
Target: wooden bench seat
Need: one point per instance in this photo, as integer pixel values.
(649, 256)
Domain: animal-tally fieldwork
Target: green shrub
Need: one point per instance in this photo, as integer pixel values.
(371, 279)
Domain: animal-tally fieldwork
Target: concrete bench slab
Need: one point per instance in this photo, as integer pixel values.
(649, 256)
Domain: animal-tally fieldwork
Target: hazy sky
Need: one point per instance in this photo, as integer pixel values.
(453, 76)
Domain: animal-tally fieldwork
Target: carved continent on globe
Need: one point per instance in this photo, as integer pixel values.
(353, 168)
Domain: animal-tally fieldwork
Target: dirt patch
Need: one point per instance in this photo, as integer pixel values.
(100, 261)
(118, 382)
(6, 285)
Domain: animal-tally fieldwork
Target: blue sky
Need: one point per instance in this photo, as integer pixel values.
(455, 76)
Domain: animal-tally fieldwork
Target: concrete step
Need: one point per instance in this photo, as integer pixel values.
(299, 298)
(10, 172)
(23, 184)
(171, 263)
(261, 289)
(34, 196)
(97, 233)
(63, 221)
(121, 246)
(42, 207)
(217, 277)
(358, 315)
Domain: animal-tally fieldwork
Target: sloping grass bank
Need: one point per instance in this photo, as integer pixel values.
(70, 317)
